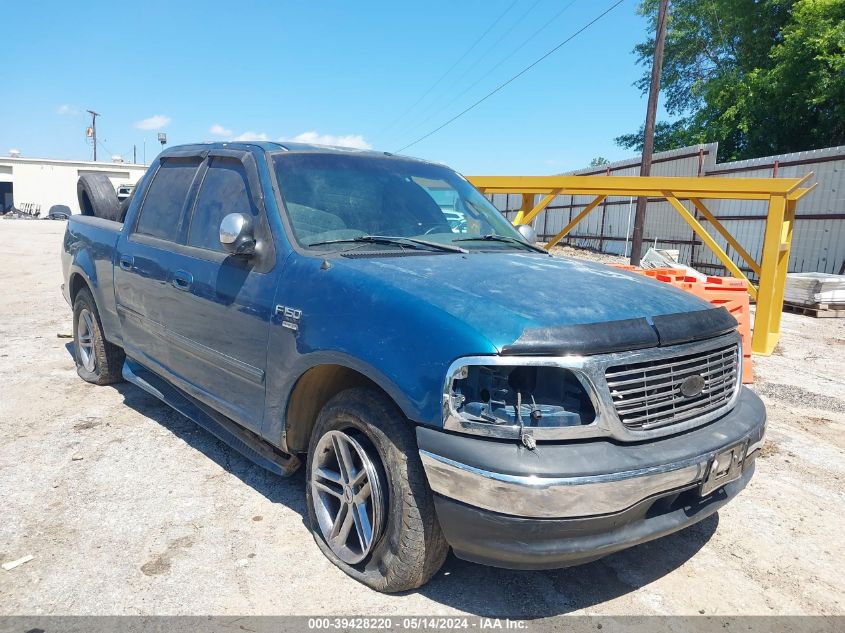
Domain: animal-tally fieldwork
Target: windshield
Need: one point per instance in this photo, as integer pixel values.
(332, 197)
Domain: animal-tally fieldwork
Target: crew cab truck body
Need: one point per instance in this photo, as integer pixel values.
(444, 386)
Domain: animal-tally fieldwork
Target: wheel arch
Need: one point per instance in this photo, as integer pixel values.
(82, 271)
(77, 282)
(313, 389)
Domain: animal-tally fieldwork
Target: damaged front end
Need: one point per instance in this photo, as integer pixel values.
(518, 399)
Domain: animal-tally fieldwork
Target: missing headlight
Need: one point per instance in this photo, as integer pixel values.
(546, 396)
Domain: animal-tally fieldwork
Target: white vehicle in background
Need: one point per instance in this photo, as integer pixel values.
(124, 191)
(448, 203)
(456, 220)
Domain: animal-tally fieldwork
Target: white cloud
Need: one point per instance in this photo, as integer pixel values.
(355, 141)
(153, 123)
(66, 109)
(349, 140)
(219, 130)
(251, 136)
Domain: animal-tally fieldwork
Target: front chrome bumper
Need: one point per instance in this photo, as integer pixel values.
(565, 497)
(583, 479)
(567, 503)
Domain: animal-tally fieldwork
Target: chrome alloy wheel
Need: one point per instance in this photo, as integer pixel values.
(85, 340)
(347, 496)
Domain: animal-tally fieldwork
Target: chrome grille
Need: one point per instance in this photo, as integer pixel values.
(647, 395)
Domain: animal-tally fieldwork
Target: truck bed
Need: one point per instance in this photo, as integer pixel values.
(88, 251)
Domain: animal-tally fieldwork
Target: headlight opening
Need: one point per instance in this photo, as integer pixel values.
(547, 396)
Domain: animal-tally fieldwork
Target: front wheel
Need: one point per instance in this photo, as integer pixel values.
(370, 507)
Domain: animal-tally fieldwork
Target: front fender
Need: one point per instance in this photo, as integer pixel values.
(403, 344)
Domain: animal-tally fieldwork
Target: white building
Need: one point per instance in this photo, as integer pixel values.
(45, 181)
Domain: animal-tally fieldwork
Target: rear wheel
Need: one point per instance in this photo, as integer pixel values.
(97, 361)
(371, 510)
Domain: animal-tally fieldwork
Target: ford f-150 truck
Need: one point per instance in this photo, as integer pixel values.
(444, 385)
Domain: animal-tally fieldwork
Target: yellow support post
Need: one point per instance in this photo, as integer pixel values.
(800, 192)
(528, 217)
(709, 241)
(726, 234)
(527, 203)
(769, 300)
(783, 266)
(557, 238)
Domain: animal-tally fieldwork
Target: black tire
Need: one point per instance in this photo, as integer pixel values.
(96, 196)
(59, 212)
(107, 359)
(411, 547)
(122, 208)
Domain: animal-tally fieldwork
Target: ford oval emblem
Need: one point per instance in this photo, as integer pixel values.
(692, 386)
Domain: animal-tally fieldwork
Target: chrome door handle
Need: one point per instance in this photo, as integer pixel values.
(127, 262)
(182, 280)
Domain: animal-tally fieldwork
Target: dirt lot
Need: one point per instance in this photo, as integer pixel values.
(129, 508)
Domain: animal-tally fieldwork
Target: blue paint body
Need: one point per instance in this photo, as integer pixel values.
(399, 320)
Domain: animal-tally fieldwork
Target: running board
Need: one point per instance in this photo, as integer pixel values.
(248, 444)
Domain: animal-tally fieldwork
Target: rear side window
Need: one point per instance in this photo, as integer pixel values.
(224, 190)
(164, 201)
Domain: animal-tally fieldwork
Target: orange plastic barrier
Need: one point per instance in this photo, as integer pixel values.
(719, 291)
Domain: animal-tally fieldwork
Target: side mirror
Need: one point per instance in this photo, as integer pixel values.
(236, 234)
(528, 233)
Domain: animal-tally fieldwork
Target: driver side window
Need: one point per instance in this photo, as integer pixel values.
(224, 190)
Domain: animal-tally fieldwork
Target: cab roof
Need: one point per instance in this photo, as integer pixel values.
(272, 146)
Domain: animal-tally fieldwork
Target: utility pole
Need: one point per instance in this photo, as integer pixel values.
(134, 154)
(94, 116)
(648, 138)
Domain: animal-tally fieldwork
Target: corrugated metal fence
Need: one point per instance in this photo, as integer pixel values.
(818, 243)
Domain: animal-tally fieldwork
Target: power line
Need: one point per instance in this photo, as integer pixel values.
(495, 67)
(103, 145)
(452, 67)
(515, 77)
(427, 110)
(523, 44)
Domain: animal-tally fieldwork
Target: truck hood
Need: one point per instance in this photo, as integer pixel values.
(500, 295)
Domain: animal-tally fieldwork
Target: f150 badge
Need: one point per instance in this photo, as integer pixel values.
(290, 316)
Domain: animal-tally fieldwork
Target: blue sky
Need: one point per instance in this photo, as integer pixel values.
(324, 69)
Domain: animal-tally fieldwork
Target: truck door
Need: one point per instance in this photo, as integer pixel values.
(143, 251)
(217, 307)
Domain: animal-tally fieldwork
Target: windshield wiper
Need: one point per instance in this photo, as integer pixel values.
(389, 239)
(492, 237)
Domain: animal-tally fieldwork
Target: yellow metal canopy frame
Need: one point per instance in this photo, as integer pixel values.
(782, 195)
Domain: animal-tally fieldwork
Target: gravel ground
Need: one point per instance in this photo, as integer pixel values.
(584, 253)
(129, 508)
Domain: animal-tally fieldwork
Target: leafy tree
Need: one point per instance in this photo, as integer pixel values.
(758, 76)
(598, 161)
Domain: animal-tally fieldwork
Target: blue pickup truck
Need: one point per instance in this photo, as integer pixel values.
(445, 383)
